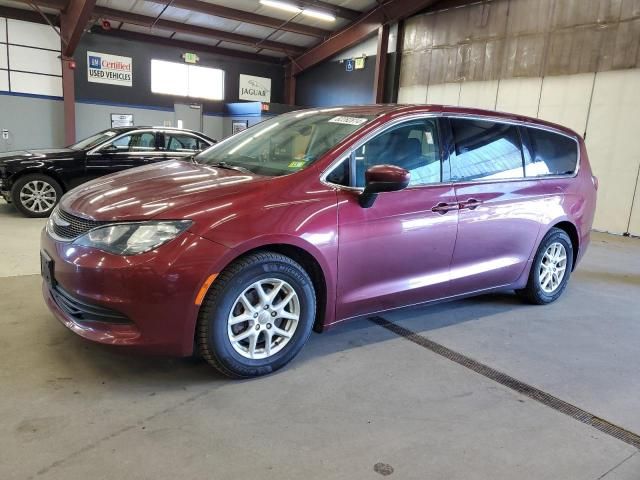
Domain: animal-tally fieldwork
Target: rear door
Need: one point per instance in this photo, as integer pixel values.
(179, 145)
(398, 251)
(500, 209)
(132, 149)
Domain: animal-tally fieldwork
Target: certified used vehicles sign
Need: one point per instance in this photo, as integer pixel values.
(111, 69)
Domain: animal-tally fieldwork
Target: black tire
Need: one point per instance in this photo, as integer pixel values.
(36, 177)
(212, 337)
(533, 292)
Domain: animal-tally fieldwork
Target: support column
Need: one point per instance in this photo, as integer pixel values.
(69, 101)
(289, 85)
(381, 64)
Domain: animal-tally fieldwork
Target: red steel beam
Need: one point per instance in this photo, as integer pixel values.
(381, 63)
(73, 21)
(246, 17)
(367, 24)
(338, 11)
(146, 21)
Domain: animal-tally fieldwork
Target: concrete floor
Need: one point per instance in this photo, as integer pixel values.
(357, 396)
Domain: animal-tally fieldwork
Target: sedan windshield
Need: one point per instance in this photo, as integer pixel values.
(284, 144)
(94, 140)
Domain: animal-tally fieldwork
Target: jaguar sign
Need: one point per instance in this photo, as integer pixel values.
(253, 88)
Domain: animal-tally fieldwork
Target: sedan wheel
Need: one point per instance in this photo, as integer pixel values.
(38, 196)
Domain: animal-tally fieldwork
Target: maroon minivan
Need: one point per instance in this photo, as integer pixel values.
(315, 217)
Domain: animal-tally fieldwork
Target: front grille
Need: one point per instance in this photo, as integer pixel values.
(68, 227)
(85, 312)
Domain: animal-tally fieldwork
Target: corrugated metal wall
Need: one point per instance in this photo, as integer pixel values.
(574, 62)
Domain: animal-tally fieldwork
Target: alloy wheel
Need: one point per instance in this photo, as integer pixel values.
(38, 196)
(263, 318)
(553, 267)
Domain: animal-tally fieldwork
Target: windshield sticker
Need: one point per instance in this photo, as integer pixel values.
(296, 164)
(348, 120)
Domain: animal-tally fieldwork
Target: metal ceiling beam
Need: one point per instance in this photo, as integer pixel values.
(54, 4)
(338, 11)
(146, 21)
(246, 17)
(73, 21)
(387, 12)
(189, 46)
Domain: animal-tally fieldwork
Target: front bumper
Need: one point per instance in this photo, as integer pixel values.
(145, 302)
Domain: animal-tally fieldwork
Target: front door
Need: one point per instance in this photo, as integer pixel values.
(126, 151)
(499, 208)
(398, 251)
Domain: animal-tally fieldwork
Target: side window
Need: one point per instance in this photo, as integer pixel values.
(551, 154)
(202, 145)
(135, 142)
(485, 150)
(177, 142)
(340, 175)
(412, 146)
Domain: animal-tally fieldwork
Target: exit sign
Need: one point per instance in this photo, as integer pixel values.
(190, 57)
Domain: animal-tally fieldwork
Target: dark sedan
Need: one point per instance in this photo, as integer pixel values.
(34, 180)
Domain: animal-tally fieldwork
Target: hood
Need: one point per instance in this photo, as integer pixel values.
(154, 190)
(39, 154)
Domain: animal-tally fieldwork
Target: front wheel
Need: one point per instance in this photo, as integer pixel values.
(257, 315)
(35, 195)
(551, 268)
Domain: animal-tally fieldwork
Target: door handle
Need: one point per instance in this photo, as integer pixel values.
(471, 204)
(443, 208)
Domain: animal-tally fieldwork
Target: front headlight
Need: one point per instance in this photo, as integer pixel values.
(132, 238)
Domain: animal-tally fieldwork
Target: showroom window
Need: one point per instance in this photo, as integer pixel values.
(486, 150)
(183, 80)
(551, 154)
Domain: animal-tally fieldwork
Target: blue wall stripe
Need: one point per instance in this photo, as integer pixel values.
(30, 95)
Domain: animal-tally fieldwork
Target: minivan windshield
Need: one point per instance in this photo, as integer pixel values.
(94, 140)
(284, 144)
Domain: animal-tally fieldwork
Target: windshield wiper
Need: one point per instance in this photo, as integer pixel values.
(227, 166)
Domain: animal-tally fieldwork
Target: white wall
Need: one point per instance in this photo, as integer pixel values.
(29, 60)
(605, 105)
(92, 118)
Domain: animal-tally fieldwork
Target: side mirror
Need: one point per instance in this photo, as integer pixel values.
(382, 178)
(111, 148)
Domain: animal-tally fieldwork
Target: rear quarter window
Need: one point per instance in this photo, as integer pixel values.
(550, 154)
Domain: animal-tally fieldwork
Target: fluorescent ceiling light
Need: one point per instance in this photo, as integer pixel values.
(281, 5)
(319, 15)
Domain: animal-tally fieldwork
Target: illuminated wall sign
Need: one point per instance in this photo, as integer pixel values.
(359, 63)
(255, 88)
(190, 58)
(110, 69)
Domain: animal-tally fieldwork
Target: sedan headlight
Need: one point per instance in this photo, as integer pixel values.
(132, 238)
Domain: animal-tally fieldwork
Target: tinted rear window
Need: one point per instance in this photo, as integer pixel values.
(552, 154)
(485, 150)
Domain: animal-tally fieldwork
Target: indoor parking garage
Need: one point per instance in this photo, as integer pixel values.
(319, 239)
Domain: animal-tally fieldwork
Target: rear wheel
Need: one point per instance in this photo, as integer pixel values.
(551, 268)
(257, 315)
(36, 195)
